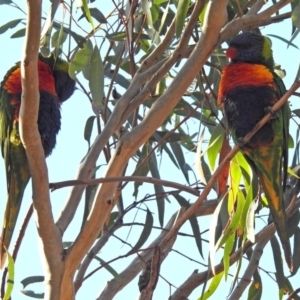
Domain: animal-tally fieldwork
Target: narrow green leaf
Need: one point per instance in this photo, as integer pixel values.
(96, 75)
(278, 262)
(145, 233)
(142, 170)
(9, 25)
(213, 286)
(109, 268)
(96, 14)
(32, 279)
(159, 1)
(177, 150)
(19, 33)
(117, 36)
(10, 276)
(5, 2)
(193, 221)
(296, 252)
(214, 146)
(202, 14)
(32, 294)
(283, 40)
(255, 290)
(227, 251)
(88, 129)
(86, 11)
(181, 12)
(231, 228)
(296, 16)
(159, 190)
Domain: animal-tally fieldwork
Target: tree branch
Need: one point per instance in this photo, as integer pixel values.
(50, 238)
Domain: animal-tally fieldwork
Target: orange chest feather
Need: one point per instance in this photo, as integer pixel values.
(243, 74)
(46, 80)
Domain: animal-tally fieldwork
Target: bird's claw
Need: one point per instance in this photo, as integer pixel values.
(269, 110)
(240, 142)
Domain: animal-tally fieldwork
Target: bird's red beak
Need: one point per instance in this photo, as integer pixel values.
(231, 53)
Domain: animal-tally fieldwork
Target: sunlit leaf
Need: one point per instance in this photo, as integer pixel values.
(10, 276)
(181, 12)
(296, 16)
(227, 251)
(202, 14)
(214, 146)
(212, 286)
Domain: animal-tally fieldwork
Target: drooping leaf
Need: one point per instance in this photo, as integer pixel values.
(296, 252)
(193, 221)
(19, 33)
(5, 2)
(215, 144)
(283, 40)
(83, 4)
(223, 177)
(10, 276)
(109, 268)
(296, 16)
(96, 14)
(177, 150)
(145, 233)
(81, 59)
(231, 228)
(227, 251)
(32, 279)
(255, 289)
(181, 12)
(142, 168)
(212, 286)
(159, 190)
(202, 14)
(88, 129)
(32, 294)
(96, 77)
(10, 25)
(278, 262)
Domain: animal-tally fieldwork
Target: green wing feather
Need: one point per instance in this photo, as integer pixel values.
(17, 170)
(271, 165)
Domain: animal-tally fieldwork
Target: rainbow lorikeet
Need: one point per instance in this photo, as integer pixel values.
(55, 86)
(248, 87)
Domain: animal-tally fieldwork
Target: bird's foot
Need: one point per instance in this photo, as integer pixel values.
(269, 110)
(240, 142)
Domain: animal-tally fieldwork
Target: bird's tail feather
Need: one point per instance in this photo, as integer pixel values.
(13, 204)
